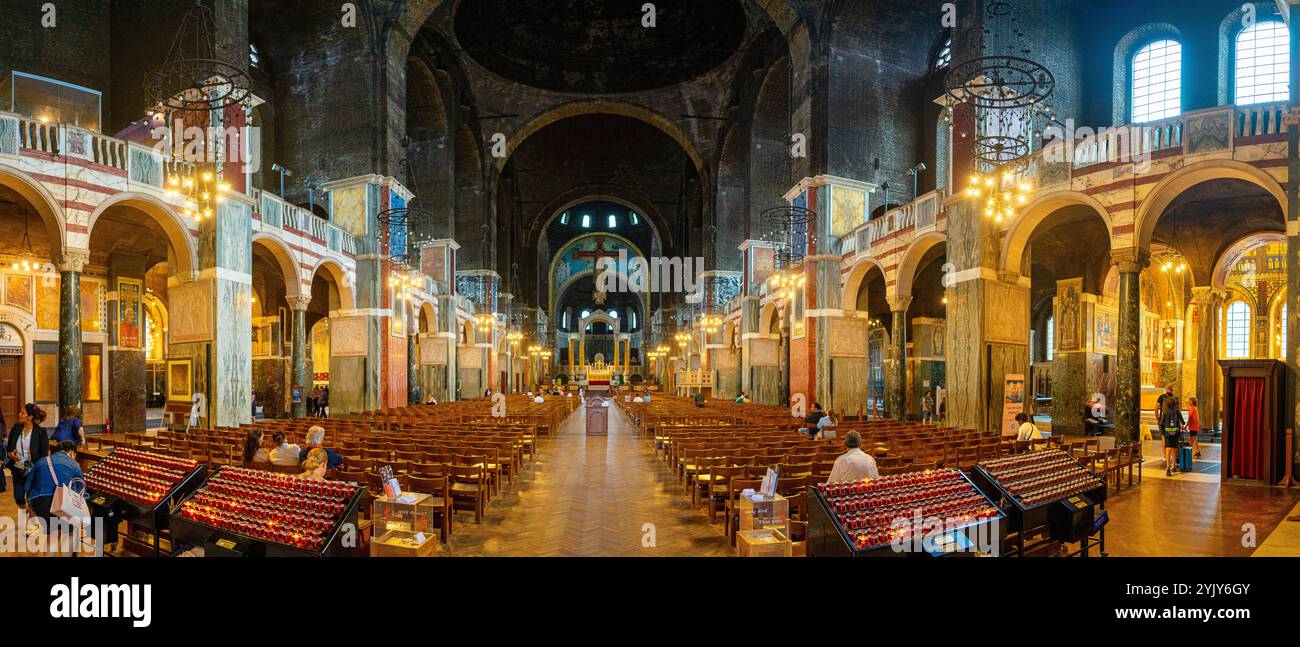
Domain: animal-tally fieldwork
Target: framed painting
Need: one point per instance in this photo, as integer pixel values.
(180, 385)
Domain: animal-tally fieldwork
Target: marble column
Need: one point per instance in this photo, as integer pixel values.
(896, 400)
(413, 395)
(1128, 373)
(783, 353)
(298, 355)
(1207, 301)
(70, 362)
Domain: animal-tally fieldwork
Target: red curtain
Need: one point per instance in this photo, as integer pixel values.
(1248, 428)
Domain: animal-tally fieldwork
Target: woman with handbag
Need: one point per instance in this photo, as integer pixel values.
(44, 479)
(28, 442)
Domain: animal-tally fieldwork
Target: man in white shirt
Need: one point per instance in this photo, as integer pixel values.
(855, 464)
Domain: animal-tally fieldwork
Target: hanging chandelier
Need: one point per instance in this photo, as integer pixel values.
(200, 192)
(1008, 92)
(27, 259)
(189, 79)
(711, 323)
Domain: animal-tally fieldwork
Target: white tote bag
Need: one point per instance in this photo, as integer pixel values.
(68, 504)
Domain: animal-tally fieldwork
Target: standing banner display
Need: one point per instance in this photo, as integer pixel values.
(1013, 402)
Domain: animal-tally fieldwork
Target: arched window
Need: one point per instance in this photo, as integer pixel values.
(586, 221)
(635, 220)
(254, 57)
(1236, 330)
(1263, 64)
(613, 221)
(944, 57)
(586, 313)
(564, 218)
(631, 318)
(1156, 90)
(1051, 338)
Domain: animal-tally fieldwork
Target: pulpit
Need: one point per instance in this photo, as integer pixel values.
(597, 416)
(1254, 420)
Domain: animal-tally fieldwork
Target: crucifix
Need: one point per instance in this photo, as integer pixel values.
(595, 255)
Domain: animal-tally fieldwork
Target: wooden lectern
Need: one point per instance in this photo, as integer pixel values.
(1254, 421)
(597, 416)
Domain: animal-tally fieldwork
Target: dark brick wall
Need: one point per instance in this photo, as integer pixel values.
(75, 51)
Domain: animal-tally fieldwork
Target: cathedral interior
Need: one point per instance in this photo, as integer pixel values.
(905, 212)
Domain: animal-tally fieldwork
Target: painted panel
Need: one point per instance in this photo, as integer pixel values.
(763, 352)
(47, 303)
(348, 337)
(848, 337)
(18, 291)
(349, 209)
(848, 209)
(191, 312)
(1008, 321)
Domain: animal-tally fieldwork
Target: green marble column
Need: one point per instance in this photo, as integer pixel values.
(298, 355)
(896, 397)
(1128, 370)
(70, 363)
(1208, 300)
(412, 371)
(783, 353)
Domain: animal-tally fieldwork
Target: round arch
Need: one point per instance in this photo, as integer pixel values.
(1238, 248)
(279, 250)
(428, 317)
(1164, 193)
(339, 277)
(766, 316)
(641, 204)
(1033, 215)
(47, 208)
(911, 262)
(599, 107)
(849, 296)
(175, 227)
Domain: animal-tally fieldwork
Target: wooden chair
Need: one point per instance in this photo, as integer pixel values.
(436, 487)
(469, 487)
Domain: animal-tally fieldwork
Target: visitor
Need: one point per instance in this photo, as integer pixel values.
(638, 399)
(28, 442)
(539, 399)
(1194, 426)
(1160, 403)
(70, 427)
(324, 402)
(1171, 423)
(45, 477)
(1027, 429)
(313, 403)
(316, 464)
(699, 399)
(826, 426)
(646, 395)
(740, 398)
(253, 450)
(487, 393)
(316, 440)
(854, 464)
(927, 408)
(285, 452)
(810, 421)
(432, 399)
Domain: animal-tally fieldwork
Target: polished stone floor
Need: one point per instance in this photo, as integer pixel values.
(591, 496)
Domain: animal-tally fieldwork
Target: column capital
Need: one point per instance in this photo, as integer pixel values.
(899, 303)
(1130, 259)
(1204, 295)
(298, 302)
(74, 260)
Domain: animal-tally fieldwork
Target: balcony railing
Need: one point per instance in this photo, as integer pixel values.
(921, 213)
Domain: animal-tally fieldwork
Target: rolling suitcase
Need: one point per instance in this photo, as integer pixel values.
(1184, 453)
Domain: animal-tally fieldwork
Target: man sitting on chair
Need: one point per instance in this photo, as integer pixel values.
(854, 464)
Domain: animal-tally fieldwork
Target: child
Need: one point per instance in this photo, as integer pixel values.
(927, 407)
(1194, 426)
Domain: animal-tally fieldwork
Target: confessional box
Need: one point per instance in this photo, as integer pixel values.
(765, 542)
(412, 513)
(1254, 421)
(404, 543)
(758, 512)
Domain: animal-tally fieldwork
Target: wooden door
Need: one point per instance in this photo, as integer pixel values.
(11, 387)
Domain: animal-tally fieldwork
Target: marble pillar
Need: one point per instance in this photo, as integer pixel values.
(1207, 301)
(413, 395)
(783, 353)
(70, 362)
(896, 400)
(1128, 373)
(298, 356)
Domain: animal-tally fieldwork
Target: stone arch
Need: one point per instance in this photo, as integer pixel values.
(641, 204)
(46, 206)
(911, 262)
(853, 283)
(1164, 193)
(1033, 215)
(602, 107)
(1234, 252)
(338, 277)
(279, 250)
(172, 224)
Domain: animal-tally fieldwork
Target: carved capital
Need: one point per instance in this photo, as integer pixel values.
(298, 302)
(899, 303)
(74, 260)
(1130, 260)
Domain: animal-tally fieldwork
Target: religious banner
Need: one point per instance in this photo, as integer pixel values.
(128, 314)
(18, 291)
(1013, 402)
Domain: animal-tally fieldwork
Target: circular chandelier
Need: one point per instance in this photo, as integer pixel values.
(1008, 92)
(189, 79)
(199, 191)
(400, 232)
